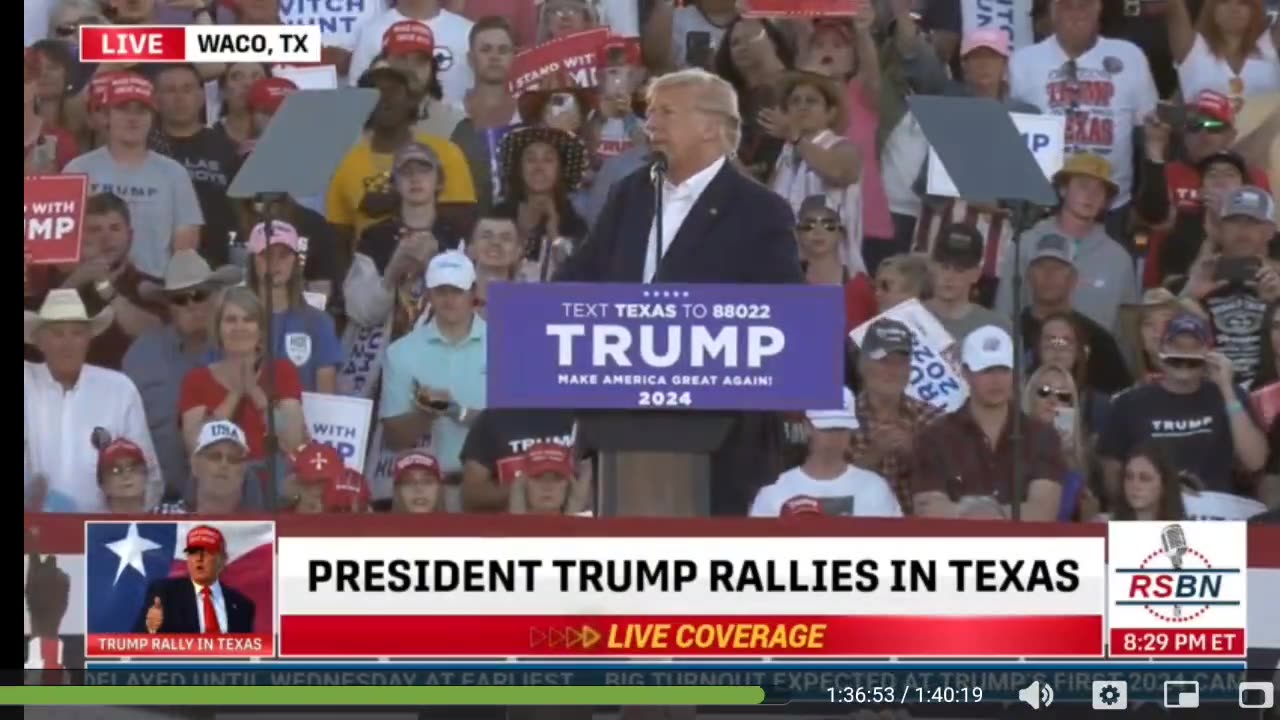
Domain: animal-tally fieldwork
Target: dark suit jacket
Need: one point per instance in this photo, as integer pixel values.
(738, 231)
(182, 612)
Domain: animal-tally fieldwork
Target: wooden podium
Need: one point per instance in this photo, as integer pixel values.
(653, 464)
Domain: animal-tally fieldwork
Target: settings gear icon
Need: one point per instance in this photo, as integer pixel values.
(1109, 695)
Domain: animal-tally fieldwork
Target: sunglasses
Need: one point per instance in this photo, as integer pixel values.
(187, 298)
(1062, 396)
(66, 30)
(1183, 363)
(808, 225)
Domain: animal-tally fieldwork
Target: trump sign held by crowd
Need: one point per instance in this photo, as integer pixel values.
(179, 589)
(1044, 135)
(53, 217)
(704, 347)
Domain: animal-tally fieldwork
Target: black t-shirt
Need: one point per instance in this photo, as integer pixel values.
(1236, 312)
(211, 161)
(1194, 430)
(379, 240)
(1106, 369)
(322, 244)
(499, 435)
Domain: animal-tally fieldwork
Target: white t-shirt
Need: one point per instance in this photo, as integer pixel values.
(856, 493)
(1202, 70)
(1112, 90)
(451, 34)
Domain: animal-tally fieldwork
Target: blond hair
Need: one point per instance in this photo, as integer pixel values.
(245, 299)
(1075, 450)
(714, 97)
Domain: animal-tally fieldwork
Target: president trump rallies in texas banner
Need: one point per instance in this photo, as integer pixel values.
(714, 224)
(198, 603)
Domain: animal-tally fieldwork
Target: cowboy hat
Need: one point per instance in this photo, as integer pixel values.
(573, 153)
(64, 305)
(533, 101)
(1087, 165)
(835, 95)
(187, 270)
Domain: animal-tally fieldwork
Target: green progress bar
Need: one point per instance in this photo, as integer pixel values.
(380, 695)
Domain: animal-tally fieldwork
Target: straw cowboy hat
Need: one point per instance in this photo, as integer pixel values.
(1087, 165)
(572, 151)
(187, 270)
(64, 305)
(835, 95)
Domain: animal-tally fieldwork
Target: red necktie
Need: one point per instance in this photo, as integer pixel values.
(210, 615)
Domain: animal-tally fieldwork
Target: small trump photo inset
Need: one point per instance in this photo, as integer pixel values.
(180, 589)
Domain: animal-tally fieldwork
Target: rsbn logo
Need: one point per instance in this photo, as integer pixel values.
(1176, 583)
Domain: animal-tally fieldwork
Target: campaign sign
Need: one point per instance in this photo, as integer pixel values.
(934, 377)
(701, 347)
(140, 592)
(342, 422)
(1210, 505)
(574, 54)
(1045, 138)
(53, 217)
(1177, 589)
(1011, 16)
(802, 8)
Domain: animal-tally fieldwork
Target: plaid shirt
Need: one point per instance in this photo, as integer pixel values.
(894, 467)
(953, 456)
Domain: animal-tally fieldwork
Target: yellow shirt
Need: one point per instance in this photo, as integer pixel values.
(364, 170)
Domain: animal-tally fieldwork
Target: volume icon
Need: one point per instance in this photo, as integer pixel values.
(1037, 695)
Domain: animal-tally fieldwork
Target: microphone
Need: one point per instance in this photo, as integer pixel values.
(657, 165)
(1175, 544)
(100, 438)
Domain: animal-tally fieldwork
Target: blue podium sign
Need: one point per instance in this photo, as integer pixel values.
(682, 347)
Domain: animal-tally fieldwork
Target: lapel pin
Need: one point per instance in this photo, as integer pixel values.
(714, 211)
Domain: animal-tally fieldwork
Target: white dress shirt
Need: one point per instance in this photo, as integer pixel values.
(677, 201)
(58, 423)
(219, 604)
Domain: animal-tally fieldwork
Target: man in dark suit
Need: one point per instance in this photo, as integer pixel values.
(718, 226)
(198, 603)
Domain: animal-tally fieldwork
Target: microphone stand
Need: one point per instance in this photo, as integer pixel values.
(1023, 212)
(271, 444)
(658, 174)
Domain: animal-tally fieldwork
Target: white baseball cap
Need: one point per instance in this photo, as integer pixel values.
(451, 268)
(987, 347)
(217, 431)
(845, 418)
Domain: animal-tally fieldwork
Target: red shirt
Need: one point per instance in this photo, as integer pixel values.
(53, 149)
(201, 389)
(859, 301)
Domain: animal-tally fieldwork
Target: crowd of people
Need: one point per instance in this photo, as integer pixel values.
(1150, 340)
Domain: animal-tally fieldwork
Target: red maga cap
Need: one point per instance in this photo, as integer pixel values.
(317, 461)
(267, 94)
(546, 458)
(120, 449)
(1215, 106)
(203, 537)
(619, 51)
(347, 493)
(127, 87)
(415, 460)
(407, 37)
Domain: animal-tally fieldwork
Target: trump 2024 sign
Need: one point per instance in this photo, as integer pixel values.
(701, 347)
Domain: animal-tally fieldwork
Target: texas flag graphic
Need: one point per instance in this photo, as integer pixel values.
(124, 559)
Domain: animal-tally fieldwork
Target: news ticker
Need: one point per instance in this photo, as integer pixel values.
(864, 684)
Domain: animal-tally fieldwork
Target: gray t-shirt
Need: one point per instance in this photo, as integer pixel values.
(160, 196)
(978, 316)
(1107, 277)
